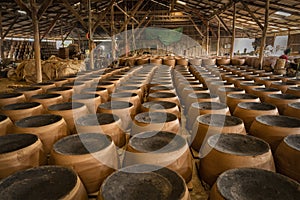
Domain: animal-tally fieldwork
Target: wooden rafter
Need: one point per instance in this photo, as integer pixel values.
(23, 6)
(132, 13)
(103, 15)
(11, 26)
(220, 11)
(44, 7)
(52, 25)
(252, 14)
(196, 27)
(125, 13)
(224, 25)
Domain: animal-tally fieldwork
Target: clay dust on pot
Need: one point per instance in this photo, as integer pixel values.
(281, 101)
(65, 92)
(161, 106)
(47, 99)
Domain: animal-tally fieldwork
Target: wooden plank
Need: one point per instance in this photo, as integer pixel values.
(74, 13)
(221, 10)
(37, 46)
(1, 37)
(103, 15)
(125, 13)
(91, 43)
(11, 26)
(233, 31)
(140, 33)
(264, 34)
(207, 38)
(134, 10)
(252, 14)
(52, 25)
(196, 27)
(23, 6)
(224, 25)
(44, 7)
(218, 38)
(112, 29)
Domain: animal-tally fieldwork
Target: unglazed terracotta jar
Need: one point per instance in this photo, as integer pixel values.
(19, 152)
(263, 93)
(124, 110)
(225, 149)
(10, 98)
(293, 90)
(46, 182)
(247, 111)
(131, 89)
(211, 124)
(49, 128)
(77, 86)
(164, 96)
(65, 92)
(161, 106)
(224, 91)
(6, 125)
(233, 100)
(18, 111)
(92, 101)
(161, 88)
(268, 81)
(29, 91)
(70, 111)
(223, 61)
(188, 90)
(214, 86)
(59, 82)
(160, 148)
(200, 97)
(71, 78)
(128, 97)
(108, 124)
(102, 92)
(249, 86)
(283, 86)
(292, 110)
(240, 81)
(47, 99)
(44, 85)
(246, 182)
(273, 128)
(169, 61)
(138, 181)
(93, 156)
(202, 108)
(155, 121)
(104, 84)
(281, 101)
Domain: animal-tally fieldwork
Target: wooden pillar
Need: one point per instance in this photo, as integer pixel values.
(37, 45)
(91, 33)
(289, 38)
(126, 35)
(264, 35)
(133, 37)
(1, 37)
(219, 38)
(207, 38)
(113, 41)
(233, 32)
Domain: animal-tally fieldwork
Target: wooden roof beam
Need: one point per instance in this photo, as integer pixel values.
(125, 13)
(52, 25)
(220, 11)
(134, 10)
(11, 26)
(103, 15)
(252, 14)
(224, 25)
(196, 27)
(44, 7)
(24, 7)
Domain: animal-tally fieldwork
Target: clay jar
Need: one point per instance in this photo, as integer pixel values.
(5, 125)
(104, 84)
(283, 86)
(247, 111)
(131, 89)
(233, 100)
(287, 157)
(108, 124)
(70, 111)
(122, 109)
(155, 121)
(49, 128)
(200, 97)
(128, 97)
(249, 86)
(263, 93)
(19, 152)
(246, 182)
(29, 91)
(163, 96)
(10, 98)
(273, 128)
(47, 99)
(102, 92)
(161, 106)
(293, 90)
(282, 100)
(161, 88)
(65, 92)
(160, 148)
(224, 91)
(18, 111)
(211, 124)
(292, 110)
(203, 108)
(77, 86)
(93, 156)
(59, 82)
(153, 182)
(188, 90)
(268, 81)
(46, 182)
(92, 101)
(240, 81)
(214, 86)
(45, 86)
(225, 149)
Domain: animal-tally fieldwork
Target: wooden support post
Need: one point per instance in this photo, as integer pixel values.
(126, 35)
(1, 38)
(37, 46)
(233, 32)
(224, 25)
(207, 38)
(91, 43)
(264, 35)
(113, 41)
(133, 37)
(218, 38)
(196, 27)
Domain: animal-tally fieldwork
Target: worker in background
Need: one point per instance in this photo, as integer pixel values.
(285, 55)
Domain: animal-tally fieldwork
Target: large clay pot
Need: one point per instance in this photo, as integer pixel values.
(283, 86)
(71, 78)
(233, 100)
(142, 61)
(224, 91)
(247, 111)
(268, 81)
(19, 152)
(93, 156)
(59, 82)
(195, 61)
(263, 93)
(161, 88)
(108, 124)
(282, 100)
(169, 62)
(248, 87)
(29, 91)
(44, 85)
(293, 90)
(156, 61)
(70, 111)
(92, 101)
(155, 121)
(6, 125)
(102, 92)
(47, 99)
(131, 89)
(223, 61)
(203, 108)
(211, 124)
(47, 182)
(108, 85)
(188, 90)
(287, 157)
(49, 128)
(18, 111)
(200, 97)
(238, 82)
(122, 109)
(208, 61)
(160, 148)
(140, 181)
(253, 183)
(128, 97)
(163, 96)
(161, 106)
(238, 61)
(225, 149)
(273, 128)
(10, 98)
(65, 92)
(77, 86)
(214, 86)
(292, 110)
